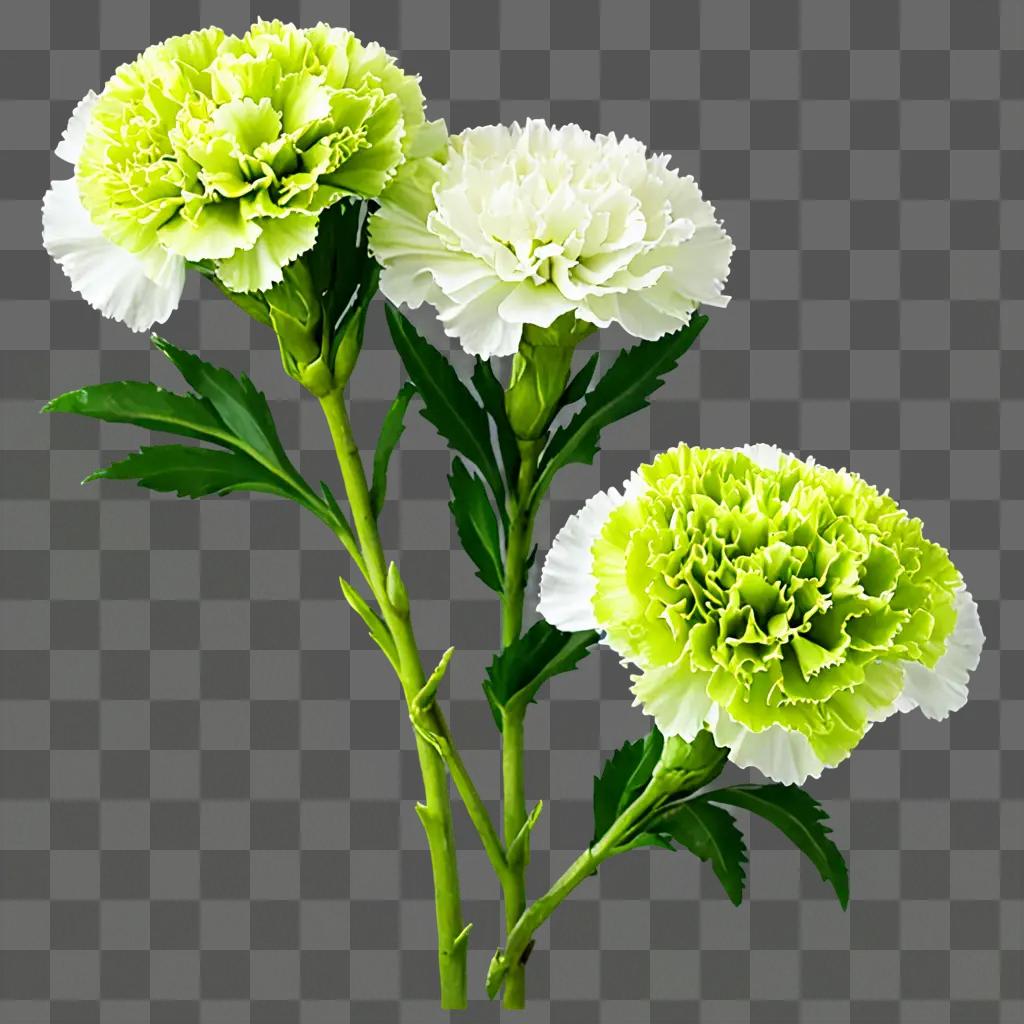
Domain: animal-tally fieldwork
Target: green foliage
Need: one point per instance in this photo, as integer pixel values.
(624, 389)
(145, 405)
(225, 410)
(476, 524)
(191, 472)
(576, 389)
(711, 834)
(801, 819)
(447, 403)
(624, 777)
(491, 393)
(390, 432)
(517, 673)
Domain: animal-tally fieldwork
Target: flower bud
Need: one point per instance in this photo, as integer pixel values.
(540, 372)
(699, 762)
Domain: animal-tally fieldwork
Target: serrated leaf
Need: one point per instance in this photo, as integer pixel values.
(577, 387)
(447, 403)
(192, 472)
(624, 389)
(390, 432)
(624, 776)
(145, 405)
(492, 394)
(239, 404)
(476, 524)
(521, 669)
(711, 834)
(801, 819)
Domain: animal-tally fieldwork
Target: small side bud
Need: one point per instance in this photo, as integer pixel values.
(398, 596)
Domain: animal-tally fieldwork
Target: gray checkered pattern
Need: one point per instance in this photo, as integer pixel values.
(206, 776)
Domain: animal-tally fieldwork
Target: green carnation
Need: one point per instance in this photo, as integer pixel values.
(784, 605)
(226, 150)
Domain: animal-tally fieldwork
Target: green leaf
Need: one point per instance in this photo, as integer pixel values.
(801, 819)
(192, 472)
(390, 431)
(492, 394)
(624, 389)
(624, 776)
(577, 387)
(376, 627)
(243, 409)
(542, 652)
(476, 524)
(447, 403)
(145, 405)
(711, 834)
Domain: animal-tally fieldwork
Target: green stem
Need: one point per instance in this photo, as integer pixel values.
(510, 960)
(520, 541)
(435, 812)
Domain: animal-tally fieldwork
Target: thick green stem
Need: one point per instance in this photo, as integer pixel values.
(520, 938)
(435, 812)
(520, 541)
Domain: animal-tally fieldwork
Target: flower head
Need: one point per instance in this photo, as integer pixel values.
(521, 225)
(223, 150)
(783, 605)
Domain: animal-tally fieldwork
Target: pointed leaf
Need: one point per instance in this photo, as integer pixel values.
(447, 403)
(476, 524)
(542, 652)
(611, 784)
(624, 777)
(801, 819)
(577, 387)
(376, 627)
(625, 389)
(145, 405)
(243, 409)
(192, 472)
(390, 432)
(492, 394)
(711, 834)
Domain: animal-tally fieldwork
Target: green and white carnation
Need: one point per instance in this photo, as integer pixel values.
(520, 225)
(782, 605)
(224, 150)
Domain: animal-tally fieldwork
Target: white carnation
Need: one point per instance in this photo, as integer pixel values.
(519, 225)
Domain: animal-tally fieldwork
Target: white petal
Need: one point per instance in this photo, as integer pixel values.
(70, 146)
(118, 283)
(676, 698)
(780, 754)
(567, 583)
(767, 456)
(531, 304)
(940, 690)
(477, 326)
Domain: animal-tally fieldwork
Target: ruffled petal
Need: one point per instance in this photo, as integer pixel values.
(477, 325)
(282, 240)
(566, 583)
(675, 697)
(941, 690)
(112, 280)
(70, 146)
(781, 754)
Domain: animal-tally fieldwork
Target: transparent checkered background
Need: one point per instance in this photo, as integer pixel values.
(206, 776)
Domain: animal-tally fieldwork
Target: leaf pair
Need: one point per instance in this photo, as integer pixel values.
(708, 830)
(224, 410)
(519, 671)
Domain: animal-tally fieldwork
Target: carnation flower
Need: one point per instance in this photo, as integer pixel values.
(223, 150)
(783, 605)
(521, 225)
